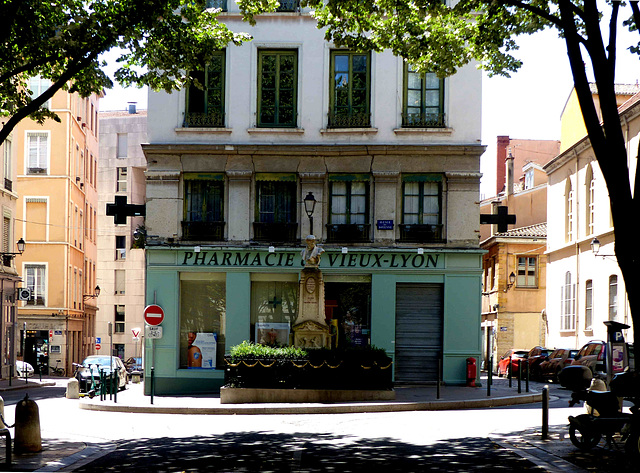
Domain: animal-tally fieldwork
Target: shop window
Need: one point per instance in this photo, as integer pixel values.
(205, 97)
(348, 311)
(276, 216)
(203, 207)
(277, 84)
(348, 208)
(202, 320)
(274, 309)
(349, 90)
(423, 99)
(119, 320)
(421, 208)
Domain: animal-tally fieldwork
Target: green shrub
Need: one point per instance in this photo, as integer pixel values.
(248, 350)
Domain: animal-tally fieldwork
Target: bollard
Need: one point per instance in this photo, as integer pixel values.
(519, 377)
(73, 389)
(526, 386)
(545, 412)
(27, 427)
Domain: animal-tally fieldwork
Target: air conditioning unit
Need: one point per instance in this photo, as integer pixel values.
(24, 294)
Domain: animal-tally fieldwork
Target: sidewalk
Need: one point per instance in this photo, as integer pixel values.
(66, 455)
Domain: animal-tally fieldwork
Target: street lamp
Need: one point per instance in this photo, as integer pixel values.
(96, 293)
(512, 281)
(309, 207)
(7, 256)
(595, 247)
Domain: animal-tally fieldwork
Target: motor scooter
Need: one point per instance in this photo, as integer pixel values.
(604, 414)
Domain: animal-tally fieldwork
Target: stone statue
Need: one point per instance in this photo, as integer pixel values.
(312, 253)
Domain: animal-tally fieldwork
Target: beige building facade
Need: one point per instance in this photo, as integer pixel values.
(57, 171)
(9, 278)
(121, 257)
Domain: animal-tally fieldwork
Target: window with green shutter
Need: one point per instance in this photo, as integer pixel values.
(277, 88)
(205, 102)
(423, 99)
(349, 90)
(276, 216)
(348, 208)
(203, 206)
(421, 208)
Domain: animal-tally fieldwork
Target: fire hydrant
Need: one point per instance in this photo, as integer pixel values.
(27, 427)
(471, 372)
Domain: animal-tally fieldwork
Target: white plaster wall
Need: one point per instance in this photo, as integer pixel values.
(462, 94)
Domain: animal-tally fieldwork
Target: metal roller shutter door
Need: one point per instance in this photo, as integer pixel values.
(419, 320)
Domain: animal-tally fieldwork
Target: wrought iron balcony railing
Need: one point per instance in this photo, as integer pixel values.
(423, 120)
(418, 233)
(203, 120)
(349, 120)
(348, 233)
(203, 231)
(275, 232)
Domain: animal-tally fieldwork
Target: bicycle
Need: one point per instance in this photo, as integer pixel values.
(57, 370)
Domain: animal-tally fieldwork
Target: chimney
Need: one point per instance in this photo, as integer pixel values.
(510, 178)
(501, 155)
(132, 108)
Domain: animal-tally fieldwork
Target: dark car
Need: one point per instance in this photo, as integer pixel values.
(88, 373)
(535, 356)
(510, 358)
(558, 359)
(592, 355)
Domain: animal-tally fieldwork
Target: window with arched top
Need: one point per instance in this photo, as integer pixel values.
(569, 211)
(590, 185)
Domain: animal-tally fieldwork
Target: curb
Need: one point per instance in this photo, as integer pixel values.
(365, 407)
(28, 386)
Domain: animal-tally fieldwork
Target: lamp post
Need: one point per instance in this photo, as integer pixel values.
(595, 248)
(309, 207)
(512, 281)
(96, 293)
(8, 256)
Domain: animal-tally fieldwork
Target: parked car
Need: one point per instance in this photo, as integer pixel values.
(508, 359)
(592, 355)
(535, 356)
(22, 368)
(558, 359)
(88, 373)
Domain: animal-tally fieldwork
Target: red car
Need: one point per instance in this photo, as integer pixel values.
(535, 356)
(511, 357)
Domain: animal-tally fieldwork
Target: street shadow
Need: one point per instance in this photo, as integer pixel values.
(306, 452)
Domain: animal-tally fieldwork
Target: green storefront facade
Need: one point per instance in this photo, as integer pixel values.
(416, 304)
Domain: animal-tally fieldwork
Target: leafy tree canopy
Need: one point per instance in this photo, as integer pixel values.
(61, 40)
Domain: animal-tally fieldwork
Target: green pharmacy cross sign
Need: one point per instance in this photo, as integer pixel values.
(120, 210)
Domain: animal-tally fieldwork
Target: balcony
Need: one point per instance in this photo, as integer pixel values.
(275, 232)
(349, 120)
(348, 233)
(416, 233)
(423, 120)
(203, 231)
(203, 120)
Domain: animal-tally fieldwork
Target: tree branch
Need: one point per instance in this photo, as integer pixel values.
(613, 29)
(636, 13)
(535, 10)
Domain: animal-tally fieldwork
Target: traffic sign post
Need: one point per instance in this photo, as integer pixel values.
(98, 346)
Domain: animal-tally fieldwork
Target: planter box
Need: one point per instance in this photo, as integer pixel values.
(313, 374)
(259, 395)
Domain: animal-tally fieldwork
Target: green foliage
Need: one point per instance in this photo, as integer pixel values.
(61, 40)
(248, 350)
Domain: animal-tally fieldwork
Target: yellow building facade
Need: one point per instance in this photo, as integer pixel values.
(57, 172)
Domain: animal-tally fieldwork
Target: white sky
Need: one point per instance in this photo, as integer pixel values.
(526, 106)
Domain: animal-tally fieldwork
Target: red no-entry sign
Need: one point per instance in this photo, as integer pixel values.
(153, 314)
